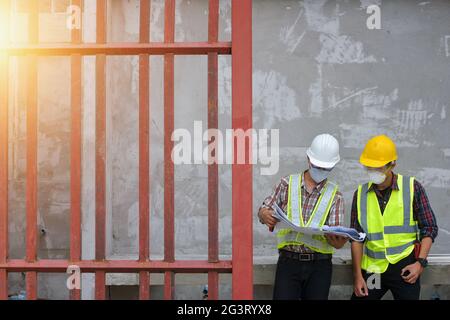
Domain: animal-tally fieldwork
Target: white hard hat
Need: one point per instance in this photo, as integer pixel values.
(324, 151)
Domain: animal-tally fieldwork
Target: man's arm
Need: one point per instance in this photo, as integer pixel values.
(359, 284)
(425, 246)
(423, 213)
(357, 253)
(278, 196)
(428, 230)
(416, 269)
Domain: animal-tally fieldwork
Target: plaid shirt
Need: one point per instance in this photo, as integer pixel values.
(422, 211)
(309, 200)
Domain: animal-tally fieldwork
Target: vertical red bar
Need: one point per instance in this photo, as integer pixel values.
(100, 282)
(100, 153)
(144, 152)
(169, 190)
(75, 160)
(4, 34)
(242, 192)
(213, 172)
(31, 175)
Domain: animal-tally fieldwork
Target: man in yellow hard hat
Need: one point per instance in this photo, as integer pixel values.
(394, 211)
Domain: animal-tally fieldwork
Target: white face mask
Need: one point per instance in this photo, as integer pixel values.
(376, 177)
(318, 175)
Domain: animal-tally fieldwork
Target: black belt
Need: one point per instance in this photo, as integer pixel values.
(304, 256)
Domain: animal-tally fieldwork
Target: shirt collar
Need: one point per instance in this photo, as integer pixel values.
(394, 185)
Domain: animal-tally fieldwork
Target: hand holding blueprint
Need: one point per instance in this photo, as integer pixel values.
(285, 223)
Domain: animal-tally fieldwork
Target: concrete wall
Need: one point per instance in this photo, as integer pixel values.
(317, 68)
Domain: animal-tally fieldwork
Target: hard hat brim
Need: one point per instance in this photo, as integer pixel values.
(321, 164)
(371, 163)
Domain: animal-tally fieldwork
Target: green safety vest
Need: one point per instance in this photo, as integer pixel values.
(391, 235)
(318, 217)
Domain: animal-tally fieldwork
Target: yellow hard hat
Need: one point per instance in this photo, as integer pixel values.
(378, 152)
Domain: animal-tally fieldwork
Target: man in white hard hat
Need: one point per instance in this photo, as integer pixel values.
(304, 265)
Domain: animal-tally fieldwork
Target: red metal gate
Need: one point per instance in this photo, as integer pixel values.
(241, 265)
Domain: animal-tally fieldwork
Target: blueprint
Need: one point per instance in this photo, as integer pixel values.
(285, 223)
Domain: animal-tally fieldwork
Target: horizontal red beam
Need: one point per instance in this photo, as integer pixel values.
(154, 48)
(118, 266)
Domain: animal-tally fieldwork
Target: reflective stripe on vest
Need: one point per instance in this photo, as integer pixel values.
(295, 196)
(390, 251)
(328, 196)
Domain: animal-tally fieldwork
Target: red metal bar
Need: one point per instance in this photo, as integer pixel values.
(213, 169)
(132, 48)
(169, 285)
(3, 174)
(3, 284)
(213, 21)
(119, 266)
(144, 285)
(4, 65)
(144, 152)
(242, 192)
(31, 285)
(100, 284)
(75, 163)
(144, 25)
(169, 190)
(100, 153)
(31, 175)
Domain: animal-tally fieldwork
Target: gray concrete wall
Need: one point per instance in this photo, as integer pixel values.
(317, 68)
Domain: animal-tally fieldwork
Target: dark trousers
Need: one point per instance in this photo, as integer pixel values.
(306, 280)
(392, 280)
